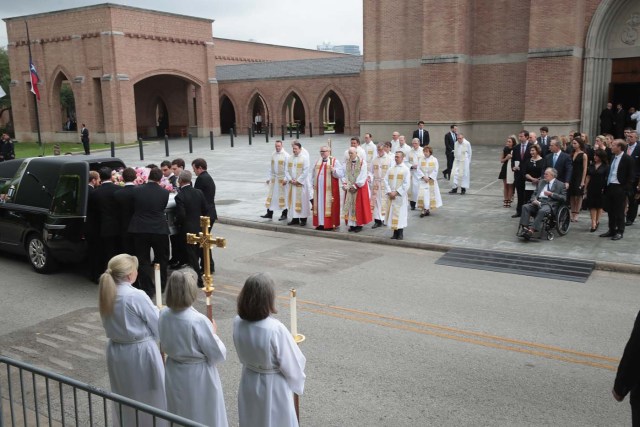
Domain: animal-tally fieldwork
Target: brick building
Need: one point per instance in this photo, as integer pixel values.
(491, 66)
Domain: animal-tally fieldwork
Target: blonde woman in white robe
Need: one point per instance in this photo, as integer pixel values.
(272, 363)
(130, 321)
(429, 192)
(193, 350)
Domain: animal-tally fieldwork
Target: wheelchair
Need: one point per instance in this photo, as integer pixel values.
(557, 221)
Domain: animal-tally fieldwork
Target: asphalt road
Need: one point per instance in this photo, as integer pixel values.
(392, 338)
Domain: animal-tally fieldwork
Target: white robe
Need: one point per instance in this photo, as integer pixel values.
(429, 193)
(414, 160)
(371, 150)
(305, 152)
(298, 169)
(406, 149)
(134, 361)
(397, 179)
(379, 199)
(359, 151)
(395, 144)
(272, 368)
(193, 350)
(275, 177)
(461, 171)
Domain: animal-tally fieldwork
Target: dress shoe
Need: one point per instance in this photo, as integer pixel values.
(628, 223)
(463, 191)
(303, 222)
(453, 191)
(515, 215)
(607, 234)
(357, 229)
(269, 215)
(320, 227)
(395, 234)
(351, 228)
(283, 216)
(616, 236)
(592, 229)
(294, 221)
(400, 234)
(376, 225)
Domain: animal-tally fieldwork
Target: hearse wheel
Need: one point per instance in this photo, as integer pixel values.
(39, 255)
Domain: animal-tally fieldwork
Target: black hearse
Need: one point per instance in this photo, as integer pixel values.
(43, 207)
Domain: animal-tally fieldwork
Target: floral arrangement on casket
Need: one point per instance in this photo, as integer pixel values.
(142, 176)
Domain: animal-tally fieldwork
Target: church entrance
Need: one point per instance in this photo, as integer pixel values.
(625, 82)
(227, 115)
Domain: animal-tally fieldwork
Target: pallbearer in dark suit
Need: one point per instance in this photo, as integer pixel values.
(422, 134)
(150, 229)
(633, 150)
(190, 206)
(449, 144)
(618, 186)
(92, 229)
(520, 156)
(124, 199)
(110, 231)
(84, 137)
(543, 140)
(559, 160)
(205, 183)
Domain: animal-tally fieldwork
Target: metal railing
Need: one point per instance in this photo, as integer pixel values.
(31, 396)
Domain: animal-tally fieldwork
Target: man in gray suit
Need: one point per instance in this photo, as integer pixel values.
(549, 194)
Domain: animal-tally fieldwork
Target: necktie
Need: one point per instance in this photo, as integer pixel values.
(613, 168)
(555, 159)
(523, 148)
(629, 150)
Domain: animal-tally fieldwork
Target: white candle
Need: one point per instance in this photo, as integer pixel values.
(158, 281)
(294, 315)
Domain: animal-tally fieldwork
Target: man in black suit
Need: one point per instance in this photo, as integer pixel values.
(92, 230)
(150, 229)
(124, 200)
(449, 144)
(520, 156)
(543, 140)
(618, 186)
(547, 196)
(110, 230)
(205, 183)
(84, 137)
(628, 375)
(606, 120)
(422, 134)
(633, 150)
(619, 121)
(559, 160)
(190, 206)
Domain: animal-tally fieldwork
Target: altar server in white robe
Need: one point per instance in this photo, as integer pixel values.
(370, 149)
(415, 154)
(193, 350)
(272, 364)
(461, 165)
(297, 176)
(130, 321)
(396, 184)
(277, 193)
(429, 197)
(379, 199)
(306, 154)
(405, 148)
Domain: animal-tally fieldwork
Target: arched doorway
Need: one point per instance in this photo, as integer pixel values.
(227, 115)
(164, 106)
(64, 110)
(258, 109)
(332, 113)
(613, 38)
(293, 113)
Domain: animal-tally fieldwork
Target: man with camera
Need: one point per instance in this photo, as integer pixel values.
(549, 194)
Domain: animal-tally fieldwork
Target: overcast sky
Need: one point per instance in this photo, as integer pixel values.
(299, 23)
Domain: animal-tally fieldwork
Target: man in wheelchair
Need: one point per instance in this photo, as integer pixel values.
(548, 196)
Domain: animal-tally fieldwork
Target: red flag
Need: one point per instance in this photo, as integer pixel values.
(34, 80)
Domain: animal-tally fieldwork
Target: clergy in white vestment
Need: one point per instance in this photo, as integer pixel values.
(415, 155)
(395, 142)
(326, 174)
(297, 177)
(193, 350)
(461, 165)
(277, 193)
(405, 148)
(272, 364)
(130, 321)
(304, 152)
(355, 143)
(379, 199)
(429, 197)
(370, 149)
(388, 151)
(396, 184)
(356, 208)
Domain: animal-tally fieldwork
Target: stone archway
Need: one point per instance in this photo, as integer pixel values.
(614, 33)
(258, 105)
(293, 112)
(227, 114)
(63, 110)
(332, 113)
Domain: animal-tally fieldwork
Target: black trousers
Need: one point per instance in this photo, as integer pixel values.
(634, 400)
(450, 158)
(632, 212)
(85, 145)
(614, 199)
(519, 184)
(144, 242)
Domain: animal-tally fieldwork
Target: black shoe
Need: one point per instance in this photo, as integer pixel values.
(628, 223)
(376, 225)
(515, 215)
(320, 227)
(395, 234)
(283, 216)
(357, 229)
(453, 190)
(463, 191)
(617, 236)
(303, 222)
(413, 205)
(608, 234)
(269, 215)
(294, 221)
(351, 228)
(400, 234)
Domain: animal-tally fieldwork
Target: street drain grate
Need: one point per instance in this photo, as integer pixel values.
(523, 264)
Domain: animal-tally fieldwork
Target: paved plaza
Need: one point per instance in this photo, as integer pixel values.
(475, 220)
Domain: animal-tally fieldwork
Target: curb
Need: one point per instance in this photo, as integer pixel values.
(615, 267)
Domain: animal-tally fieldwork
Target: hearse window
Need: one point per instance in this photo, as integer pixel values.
(65, 200)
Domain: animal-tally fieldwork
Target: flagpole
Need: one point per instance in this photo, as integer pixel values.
(35, 99)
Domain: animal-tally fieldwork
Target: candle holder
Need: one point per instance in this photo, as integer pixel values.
(299, 338)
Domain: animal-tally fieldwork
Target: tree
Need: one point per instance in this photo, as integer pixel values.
(5, 79)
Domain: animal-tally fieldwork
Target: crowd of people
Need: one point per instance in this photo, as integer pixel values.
(598, 177)
(379, 183)
(131, 218)
(189, 384)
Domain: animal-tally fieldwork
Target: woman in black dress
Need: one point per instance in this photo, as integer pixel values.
(533, 171)
(596, 181)
(506, 174)
(578, 176)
